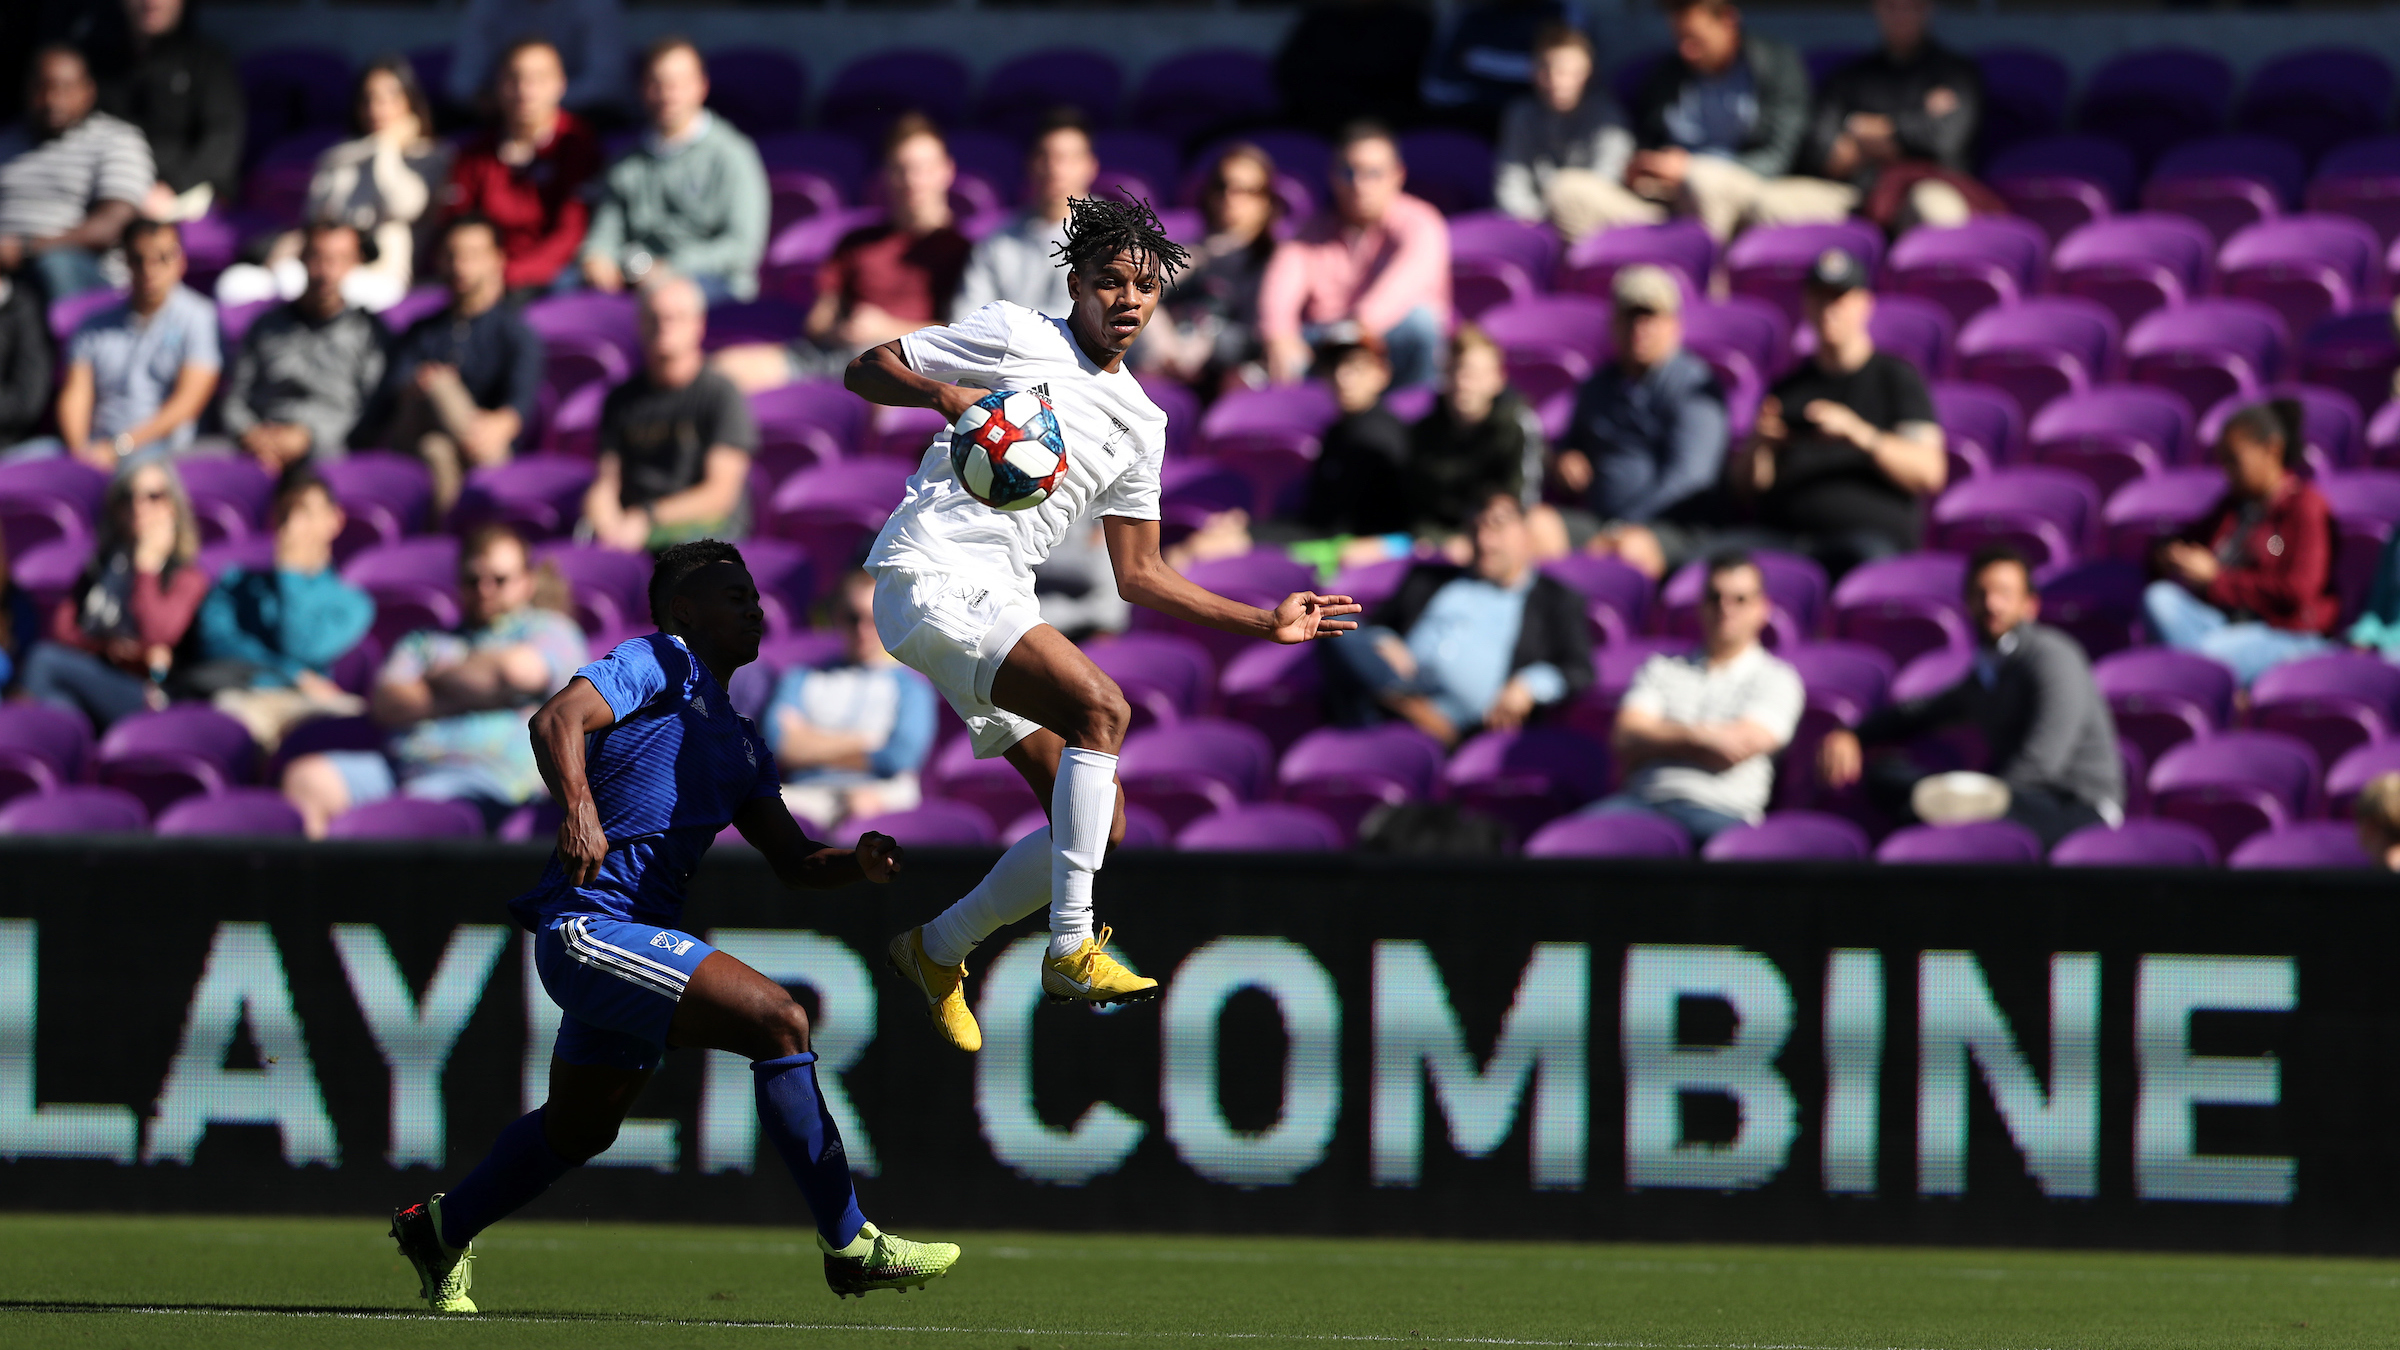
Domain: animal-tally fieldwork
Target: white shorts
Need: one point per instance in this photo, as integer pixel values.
(956, 632)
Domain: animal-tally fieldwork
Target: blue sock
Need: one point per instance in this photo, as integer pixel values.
(803, 1132)
(519, 1167)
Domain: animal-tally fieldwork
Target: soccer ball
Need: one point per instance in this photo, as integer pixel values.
(1006, 450)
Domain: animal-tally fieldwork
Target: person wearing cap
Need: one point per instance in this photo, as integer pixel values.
(1846, 449)
(1646, 443)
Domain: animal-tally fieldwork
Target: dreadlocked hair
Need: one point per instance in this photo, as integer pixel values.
(1100, 228)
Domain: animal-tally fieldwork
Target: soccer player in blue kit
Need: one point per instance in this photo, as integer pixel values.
(650, 761)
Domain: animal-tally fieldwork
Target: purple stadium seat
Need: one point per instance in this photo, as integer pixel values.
(2163, 698)
(2063, 183)
(256, 554)
(2135, 264)
(991, 784)
(1527, 778)
(2040, 348)
(934, 824)
(761, 90)
(229, 495)
(2235, 784)
(23, 773)
(796, 251)
(1990, 843)
(1577, 323)
(1194, 92)
(420, 302)
(1265, 570)
(542, 495)
(1617, 598)
(1497, 236)
(408, 818)
(56, 739)
(766, 319)
(2113, 434)
(2048, 514)
(818, 404)
(428, 561)
(1981, 425)
(1196, 766)
(386, 496)
(408, 607)
(1261, 827)
(2098, 603)
(71, 481)
(1273, 688)
(1021, 91)
(2146, 510)
(163, 757)
(2208, 349)
(1791, 836)
(2136, 843)
(1144, 156)
(1480, 284)
(2355, 353)
(2351, 773)
(2334, 703)
(1796, 587)
(2157, 98)
(1932, 673)
(1308, 407)
(2227, 183)
(835, 509)
(589, 315)
(2383, 435)
(1166, 678)
(1904, 606)
(1842, 682)
(1915, 329)
(1450, 168)
(837, 159)
(69, 314)
(2307, 268)
(611, 589)
(31, 522)
(241, 811)
(1969, 268)
(1683, 247)
(1615, 834)
(1771, 261)
(2317, 98)
(1371, 584)
(1594, 712)
(2306, 844)
(2024, 95)
(289, 89)
(1744, 338)
(1347, 773)
(2361, 180)
(2329, 421)
(78, 808)
(867, 95)
(49, 571)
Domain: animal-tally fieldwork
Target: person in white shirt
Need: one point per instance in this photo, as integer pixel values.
(1019, 264)
(954, 595)
(1697, 733)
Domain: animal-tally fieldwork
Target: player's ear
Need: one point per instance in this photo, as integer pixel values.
(1074, 283)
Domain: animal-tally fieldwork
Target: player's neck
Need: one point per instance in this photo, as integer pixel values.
(717, 662)
(1108, 361)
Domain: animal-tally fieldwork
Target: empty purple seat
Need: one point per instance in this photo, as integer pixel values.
(429, 561)
(32, 522)
(2147, 510)
(2334, 703)
(1969, 268)
(1772, 262)
(163, 757)
(2235, 784)
(867, 95)
(1594, 711)
(611, 589)
(2306, 268)
(1023, 90)
(1683, 247)
(1197, 766)
(42, 747)
(588, 315)
(2352, 772)
(2136, 843)
(1744, 338)
(993, 784)
(1450, 168)
(2098, 603)
(1612, 834)
(1266, 571)
(1307, 407)
(1904, 606)
(241, 811)
(2355, 353)
(1496, 235)
(229, 495)
(2114, 433)
(2227, 183)
(2361, 180)
(408, 818)
(2135, 264)
(2317, 98)
(2208, 349)
(2157, 98)
(78, 808)
(1795, 585)
(1165, 677)
(2040, 348)
(1616, 597)
(761, 90)
(1791, 836)
(385, 495)
(1913, 328)
(2024, 95)
(1145, 156)
(1981, 425)
(1194, 92)
(1527, 778)
(2162, 698)
(2048, 514)
(79, 485)
(1842, 683)
(1274, 688)
(2063, 183)
(1261, 827)
(1577, 323)
(933, 824)
(2000, 843)
(1346, 773)
(2307, 844)
(821, 404)
(835, 509)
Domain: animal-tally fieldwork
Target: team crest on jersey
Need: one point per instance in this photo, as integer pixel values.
(669, 942)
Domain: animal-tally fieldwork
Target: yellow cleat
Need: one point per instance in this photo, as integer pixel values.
(1090, 975)
(944, 988)
(878, 1260)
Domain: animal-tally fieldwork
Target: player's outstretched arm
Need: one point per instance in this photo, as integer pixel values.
(802, 863)
(882, 375)
(1144, 578)
(558, 729)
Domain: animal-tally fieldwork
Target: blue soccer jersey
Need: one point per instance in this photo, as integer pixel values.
(667, 777)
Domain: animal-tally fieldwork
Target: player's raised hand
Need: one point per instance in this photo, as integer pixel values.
(1305, 615)
(581, 845)
(878, 856)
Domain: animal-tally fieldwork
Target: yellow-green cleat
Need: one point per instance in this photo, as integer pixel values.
(443, 1275)
(944, 988)
(877, 1260)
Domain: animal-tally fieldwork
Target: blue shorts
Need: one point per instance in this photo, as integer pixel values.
(618, 983)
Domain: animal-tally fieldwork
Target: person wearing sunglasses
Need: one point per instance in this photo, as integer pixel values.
(113, 637)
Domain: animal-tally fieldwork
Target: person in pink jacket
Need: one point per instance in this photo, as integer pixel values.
(1377, 264)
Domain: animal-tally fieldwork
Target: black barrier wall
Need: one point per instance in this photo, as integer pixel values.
(1346, 1046)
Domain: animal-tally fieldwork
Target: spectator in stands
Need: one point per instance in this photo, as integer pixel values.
(268, 640)
(527, 174)
(1016, 263)
(1899, 123)
(383, 183)
(1379, 260)
(1486, 59)
(851, 737)
(1719, 124)
(1343, 59)
(1645, 445)
(2251, 584)
(1359, 482)
(2378, 815)
(1563, 148)
(112, 639)
(1461, 648)
(25, 363)
(306, 371)
(691, 194)
(71, 179)
(882, 280)
(454, 704)
(1480, 437)
(1206, 326)
(1698, 732)
(588, 35)
(2377, 628)
(2046, 730)
(675, 440)
(141, 371)
(460, 386)
(180, 89)
(1846, 449)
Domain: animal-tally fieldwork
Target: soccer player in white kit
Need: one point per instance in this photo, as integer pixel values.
(954, 592)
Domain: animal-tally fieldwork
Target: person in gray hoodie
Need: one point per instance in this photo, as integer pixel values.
(692, 195)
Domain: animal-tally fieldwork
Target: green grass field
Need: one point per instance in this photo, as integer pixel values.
(79, 1281)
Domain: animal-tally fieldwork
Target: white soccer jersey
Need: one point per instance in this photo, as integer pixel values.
(1115, 438)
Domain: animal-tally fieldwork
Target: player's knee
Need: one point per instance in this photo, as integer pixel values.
(579, 1141)
(784, 1029)
(1106, 715)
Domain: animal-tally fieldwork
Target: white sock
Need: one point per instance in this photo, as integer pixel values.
(1083, 803)
(1016, 886)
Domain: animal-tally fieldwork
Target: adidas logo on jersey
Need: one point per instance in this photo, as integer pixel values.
(700, 705)
(1043, 389)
